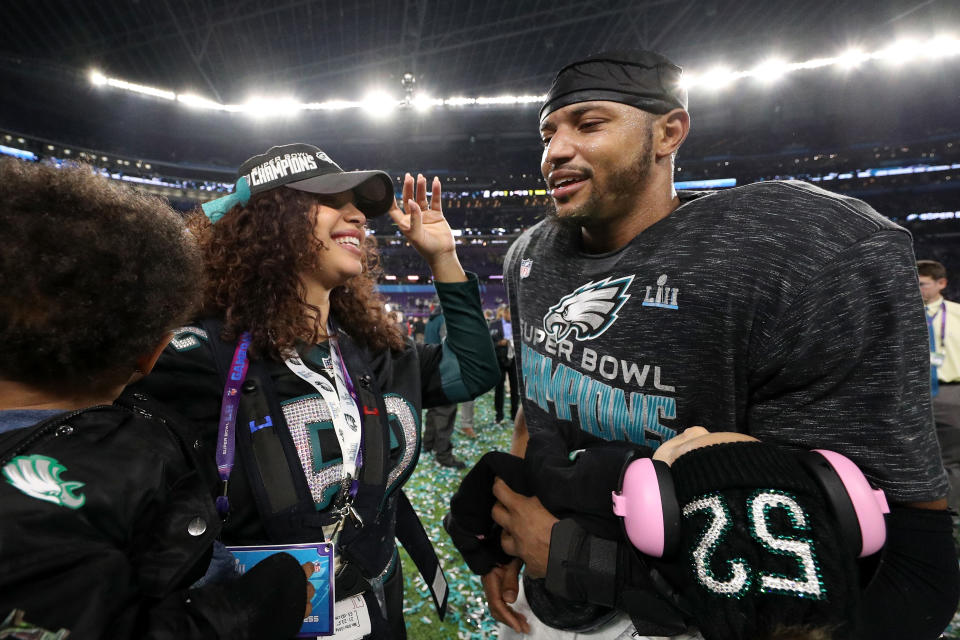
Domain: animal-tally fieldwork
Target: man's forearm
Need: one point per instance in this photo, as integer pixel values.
(588, 568)
(915, 590)
(518, 445)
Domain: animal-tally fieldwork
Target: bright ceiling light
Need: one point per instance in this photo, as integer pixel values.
(381, 104)
(378, 104)
(900, 52)
(717, 78)
(266, 107)
(770, 70)
(99, 79)
(199, 102)
(688, 80)
(852, 58)
(424, 103)
(526, 99)
(332, 105)
(943, 47)
(459, 101)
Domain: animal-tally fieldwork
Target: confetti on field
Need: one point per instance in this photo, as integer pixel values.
(429, 489)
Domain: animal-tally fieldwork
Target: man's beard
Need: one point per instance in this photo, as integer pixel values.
(625, 185)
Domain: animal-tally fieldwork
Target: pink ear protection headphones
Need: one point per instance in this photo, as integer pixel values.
(651, 515)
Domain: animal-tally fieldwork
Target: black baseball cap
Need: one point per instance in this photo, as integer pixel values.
(304, 167)
(643, 79)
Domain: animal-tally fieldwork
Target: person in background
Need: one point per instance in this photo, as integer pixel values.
(943, 326)
(466, 419)
(440, 419)
(106, 519)
(501, 332)
(419, 327)
(295, 348)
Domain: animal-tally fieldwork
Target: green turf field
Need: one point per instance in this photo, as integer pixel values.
(429, 489)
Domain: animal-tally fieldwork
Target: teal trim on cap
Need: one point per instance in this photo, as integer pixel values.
(216, 209)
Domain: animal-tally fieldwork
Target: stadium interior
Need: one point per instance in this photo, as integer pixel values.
(886, 130)
(861, 98)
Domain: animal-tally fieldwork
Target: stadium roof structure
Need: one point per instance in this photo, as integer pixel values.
(228, 49)
(232, 51)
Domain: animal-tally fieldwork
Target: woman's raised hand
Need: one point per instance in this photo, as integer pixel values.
(423, 224)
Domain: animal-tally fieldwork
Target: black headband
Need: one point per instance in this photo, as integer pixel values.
(641, 79)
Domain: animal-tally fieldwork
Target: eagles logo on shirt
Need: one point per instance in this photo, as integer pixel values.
(588, 311)
(39, 477)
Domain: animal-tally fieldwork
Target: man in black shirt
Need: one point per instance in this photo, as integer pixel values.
(775, 309)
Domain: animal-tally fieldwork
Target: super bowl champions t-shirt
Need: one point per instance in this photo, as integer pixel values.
(776, 309)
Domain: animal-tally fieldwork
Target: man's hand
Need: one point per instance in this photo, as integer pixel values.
(501, 587)
(526, 528)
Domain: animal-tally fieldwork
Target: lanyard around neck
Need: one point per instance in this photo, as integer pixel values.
(341, 401)
(226, 434)
(942, 310)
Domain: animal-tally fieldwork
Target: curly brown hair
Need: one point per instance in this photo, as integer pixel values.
(92, 274)
(253, 258)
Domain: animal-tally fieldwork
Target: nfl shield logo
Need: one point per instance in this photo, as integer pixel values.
(525, 266)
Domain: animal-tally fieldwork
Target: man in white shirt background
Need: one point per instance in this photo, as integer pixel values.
(943, 323)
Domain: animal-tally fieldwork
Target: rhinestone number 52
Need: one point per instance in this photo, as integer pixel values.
(740, 577)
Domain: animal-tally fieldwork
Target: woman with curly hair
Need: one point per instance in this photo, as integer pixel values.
(301, 387)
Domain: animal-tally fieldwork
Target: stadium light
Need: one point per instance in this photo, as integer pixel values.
(99, 80)
(459, 101)
(199, 102)
(688, 80)
(510, 100)
(379, 104)
(943, 47)
(814, 63)
(717, 78)
(424, 103)
(332, 105)
(263, 107)
(770, 70)
(900, 52)
(852, 58)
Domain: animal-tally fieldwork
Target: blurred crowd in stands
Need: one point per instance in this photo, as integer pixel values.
(496, 191)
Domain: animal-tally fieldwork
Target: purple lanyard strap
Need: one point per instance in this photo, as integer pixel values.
(226, 435)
